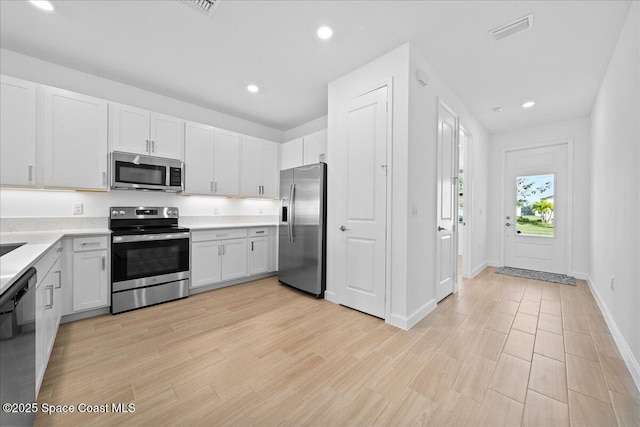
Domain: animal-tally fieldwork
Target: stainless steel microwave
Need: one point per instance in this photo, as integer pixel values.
(138, 172)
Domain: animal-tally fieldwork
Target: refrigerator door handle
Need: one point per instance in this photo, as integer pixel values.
(292, 213)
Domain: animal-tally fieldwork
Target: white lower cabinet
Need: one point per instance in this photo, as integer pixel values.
(228, 254)
(234, 259)
(48, 308)
(218, 256)
(90, 273)
(258, 255)
(206, 263)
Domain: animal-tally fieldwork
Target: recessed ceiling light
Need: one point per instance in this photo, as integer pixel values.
(42, 4)
(497, 109)
(528, 104)
(253, 88)
(325, 32)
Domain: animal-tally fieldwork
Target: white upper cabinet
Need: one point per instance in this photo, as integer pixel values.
(138, 131)
(315, 147)
(212, 161)
(226, 159)
(167, 136)
(307, 150)
(17, 132)
(251, 186)
(198, 158)
(259, 168)
(291, 154)
(269, 173)
(75, 140)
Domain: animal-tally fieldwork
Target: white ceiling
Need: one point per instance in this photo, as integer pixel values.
(165, 47)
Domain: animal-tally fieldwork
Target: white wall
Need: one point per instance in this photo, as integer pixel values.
(35, 70)
(306, 128)
(49, 204)
(615, 194)
(576, 130)
(393, 65)
(412, 176)
(421, 181)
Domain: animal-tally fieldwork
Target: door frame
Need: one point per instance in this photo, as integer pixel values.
(503, 183)
(388, 82)
(455, 228)
(468, 206)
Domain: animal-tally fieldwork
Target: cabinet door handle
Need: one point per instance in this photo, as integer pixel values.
(219, 250)
(60, 250)
(260, 232)
(30, 172)
(211, 187)
(252, 246)
(215, 186)
(50, 305)
(224, 249)
(104, 262)
(104, 178)
(59, 273)
(153, 146)
(148, 150)
(89, 243)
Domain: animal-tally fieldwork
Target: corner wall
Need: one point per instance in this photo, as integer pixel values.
(422, 185)
(615, 193)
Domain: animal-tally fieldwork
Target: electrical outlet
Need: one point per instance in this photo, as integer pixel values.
(77, 208)
(612, 280)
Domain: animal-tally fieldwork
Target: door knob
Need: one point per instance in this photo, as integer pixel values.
(508, 224)
(343, 228)
(508, 217)
(441, 228)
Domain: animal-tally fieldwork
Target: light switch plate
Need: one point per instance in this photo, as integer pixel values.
(77, 208)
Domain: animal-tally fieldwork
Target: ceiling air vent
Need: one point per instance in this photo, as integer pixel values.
(205, 7)
(511, 28)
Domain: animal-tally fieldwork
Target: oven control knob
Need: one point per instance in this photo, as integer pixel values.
(171, 212)
(114, 213)
(122, 212)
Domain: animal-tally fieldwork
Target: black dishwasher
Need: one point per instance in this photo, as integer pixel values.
(18, 352)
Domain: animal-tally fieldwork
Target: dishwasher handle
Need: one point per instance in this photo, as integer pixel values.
(20, 287)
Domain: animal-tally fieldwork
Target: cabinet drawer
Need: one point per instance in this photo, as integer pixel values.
(260, 231)
(229, 233)
(46, 262)
(90, 243)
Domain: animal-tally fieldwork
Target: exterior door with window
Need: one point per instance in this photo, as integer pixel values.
(536, 208)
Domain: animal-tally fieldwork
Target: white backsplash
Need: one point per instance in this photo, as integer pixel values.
(42, 210)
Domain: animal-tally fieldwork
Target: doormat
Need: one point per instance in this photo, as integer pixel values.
(537, 275)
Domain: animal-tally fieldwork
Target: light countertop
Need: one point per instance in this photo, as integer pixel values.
(220, 226)
(16, 262)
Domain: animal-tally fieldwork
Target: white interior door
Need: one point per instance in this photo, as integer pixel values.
(536, 206)
(447, 170)
(361, 265)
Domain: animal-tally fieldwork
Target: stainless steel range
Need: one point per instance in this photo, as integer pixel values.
(149, 257)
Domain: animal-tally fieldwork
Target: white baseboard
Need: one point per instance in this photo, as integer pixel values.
(581, 276)
(331, 296)
(623, 346)
(407, 323)
(494, 264)
(479, 269)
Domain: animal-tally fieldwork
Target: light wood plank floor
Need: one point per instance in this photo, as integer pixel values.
(502, 351)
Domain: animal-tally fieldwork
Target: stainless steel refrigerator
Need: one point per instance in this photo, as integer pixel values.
(302, 232)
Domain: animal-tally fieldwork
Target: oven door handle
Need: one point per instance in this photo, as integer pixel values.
(150, 237)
